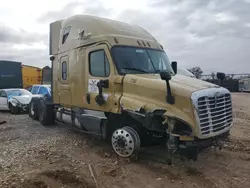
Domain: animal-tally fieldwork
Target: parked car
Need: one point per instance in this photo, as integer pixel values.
(15, 100)
(40, 90)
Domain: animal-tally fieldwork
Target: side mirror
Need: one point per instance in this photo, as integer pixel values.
(101, 84)
(221, 76)
(174, 66)
(165, 76)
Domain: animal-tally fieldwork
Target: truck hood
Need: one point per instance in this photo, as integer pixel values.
(149, 92)
(192, 84)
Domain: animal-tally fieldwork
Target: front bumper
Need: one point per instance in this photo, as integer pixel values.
(191, 149)
(23, 107)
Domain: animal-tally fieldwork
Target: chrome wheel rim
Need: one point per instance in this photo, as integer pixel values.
(125, 141)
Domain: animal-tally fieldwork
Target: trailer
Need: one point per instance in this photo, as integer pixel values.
(108, 79)
(31, 75)
(244, 85)
(10, 74)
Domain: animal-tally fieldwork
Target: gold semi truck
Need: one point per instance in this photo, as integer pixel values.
(115, 79)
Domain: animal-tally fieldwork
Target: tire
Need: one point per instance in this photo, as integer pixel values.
(11, 108)
(45, 113)
(33, 110)
(16, 110)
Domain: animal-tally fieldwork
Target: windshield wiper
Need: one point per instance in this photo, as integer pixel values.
(136, 69)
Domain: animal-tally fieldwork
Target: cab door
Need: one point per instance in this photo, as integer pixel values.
(3, 100)
(99, 70)
(64, 86)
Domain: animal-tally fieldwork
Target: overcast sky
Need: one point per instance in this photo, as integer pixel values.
(212, 34)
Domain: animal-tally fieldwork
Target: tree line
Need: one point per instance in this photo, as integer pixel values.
(197, 71)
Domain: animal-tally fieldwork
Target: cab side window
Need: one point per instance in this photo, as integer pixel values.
(66, 34)
(98, 64)
(64, 70)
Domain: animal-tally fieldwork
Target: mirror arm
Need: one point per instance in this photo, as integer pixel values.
(170, 98)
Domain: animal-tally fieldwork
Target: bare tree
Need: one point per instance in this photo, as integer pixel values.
(213, 75)
(197, 71)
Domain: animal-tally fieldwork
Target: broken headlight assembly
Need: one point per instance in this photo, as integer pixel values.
(178, 127)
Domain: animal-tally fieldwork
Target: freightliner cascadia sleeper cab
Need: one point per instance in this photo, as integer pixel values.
(116, 80)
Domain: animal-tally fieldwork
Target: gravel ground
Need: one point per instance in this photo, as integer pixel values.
(33, 156)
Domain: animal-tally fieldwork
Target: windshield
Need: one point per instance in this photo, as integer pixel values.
(26, 92)
(17, 92)
(140, 60)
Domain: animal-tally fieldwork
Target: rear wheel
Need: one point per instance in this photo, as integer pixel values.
(16, 110)
(11, 108)
(45, 113)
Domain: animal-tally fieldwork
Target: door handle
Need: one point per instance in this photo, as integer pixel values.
(88, 98)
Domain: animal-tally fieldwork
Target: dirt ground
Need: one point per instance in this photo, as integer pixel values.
(33, 156)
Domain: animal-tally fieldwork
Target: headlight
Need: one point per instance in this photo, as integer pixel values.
(179, 127)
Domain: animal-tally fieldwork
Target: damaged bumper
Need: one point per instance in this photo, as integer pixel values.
(191, 149)
(23, 107)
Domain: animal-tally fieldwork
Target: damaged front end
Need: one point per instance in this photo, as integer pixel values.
(17, 104)
(179, 137)
(187, 115)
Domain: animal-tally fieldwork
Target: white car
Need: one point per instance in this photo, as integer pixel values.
(15, 100)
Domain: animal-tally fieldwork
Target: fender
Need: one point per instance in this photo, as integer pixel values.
(13, 101)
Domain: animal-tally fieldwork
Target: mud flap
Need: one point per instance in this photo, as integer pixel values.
(45, 112)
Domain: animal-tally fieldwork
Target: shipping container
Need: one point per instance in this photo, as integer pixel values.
(10, 74)
(31, 75)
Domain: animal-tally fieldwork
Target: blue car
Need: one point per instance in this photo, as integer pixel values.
(40, 90)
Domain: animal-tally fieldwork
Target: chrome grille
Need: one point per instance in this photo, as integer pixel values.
(215, 112)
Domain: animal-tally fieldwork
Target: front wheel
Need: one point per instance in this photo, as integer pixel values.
(33, 111)
(125, 141)
(11, 109)
(14, 109)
